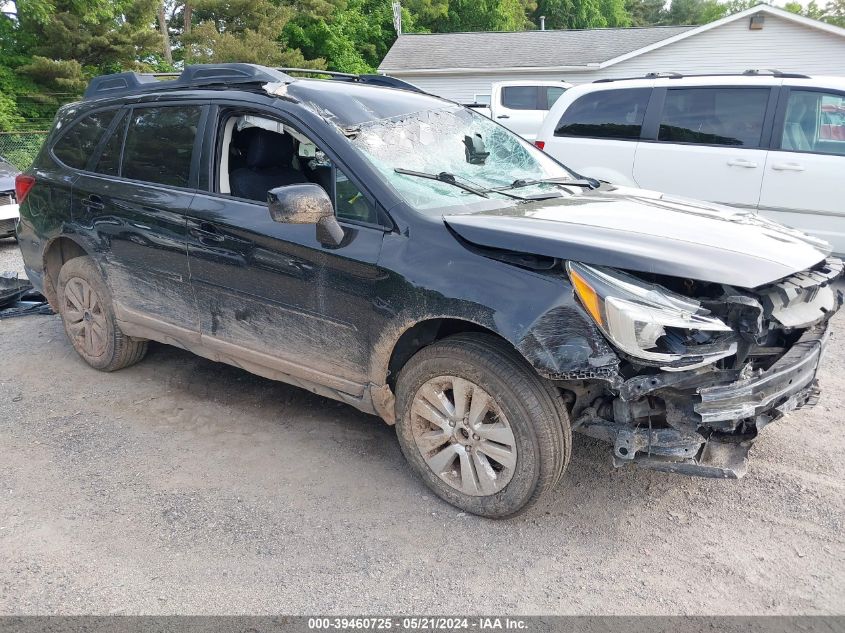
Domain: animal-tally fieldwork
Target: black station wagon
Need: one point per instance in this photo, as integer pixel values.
(414, 259)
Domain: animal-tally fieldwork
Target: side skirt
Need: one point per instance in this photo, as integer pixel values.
(139, 325)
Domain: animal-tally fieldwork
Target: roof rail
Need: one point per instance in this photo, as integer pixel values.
(373, 80)
(195, 76)
(774, 73)
(672, 75)
(316, 71)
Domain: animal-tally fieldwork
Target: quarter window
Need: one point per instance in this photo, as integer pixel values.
(75, 147)
(549, 95)
(714, 116)
(159, 144)
(815, 122)
(614, 114)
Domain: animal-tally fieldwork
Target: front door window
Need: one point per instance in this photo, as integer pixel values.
(259, 154)
(814, 122)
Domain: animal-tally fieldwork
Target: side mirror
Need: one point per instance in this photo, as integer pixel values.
(306, 204)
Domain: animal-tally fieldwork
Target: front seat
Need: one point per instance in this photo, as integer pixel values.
(268, 165)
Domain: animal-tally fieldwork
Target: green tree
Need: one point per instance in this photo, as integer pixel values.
(694, 11)
(52, 47)
(615, 13)
(834, 12)
(240, 31)
(583, 14)
(354, 39)
(97, 34)
(646, 12)
(480, 15)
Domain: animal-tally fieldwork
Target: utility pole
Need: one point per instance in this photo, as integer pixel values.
(397, 17)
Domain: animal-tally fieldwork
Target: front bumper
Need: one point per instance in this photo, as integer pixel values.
(787, 385)
(713, 418)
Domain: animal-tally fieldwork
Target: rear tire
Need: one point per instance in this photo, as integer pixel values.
(85, 306)
(480, 427)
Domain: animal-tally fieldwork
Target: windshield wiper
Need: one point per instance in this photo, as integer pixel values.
(443, 176)
(452, 179)
(581, 182)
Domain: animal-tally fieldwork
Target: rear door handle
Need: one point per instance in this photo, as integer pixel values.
(205, 231)
(94, 202)
(741, 162)
(788, 167)
(503, 116)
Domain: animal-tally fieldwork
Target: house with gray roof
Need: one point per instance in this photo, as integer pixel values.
(462, 66)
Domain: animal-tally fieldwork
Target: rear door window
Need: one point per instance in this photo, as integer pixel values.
(159, 144)
(520, 97)
(714, 116)
(76, 146)
(615, 114)
(814, 122)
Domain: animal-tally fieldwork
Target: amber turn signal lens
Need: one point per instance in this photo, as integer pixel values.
(587, 296)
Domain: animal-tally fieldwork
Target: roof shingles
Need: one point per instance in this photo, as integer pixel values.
(525, 49)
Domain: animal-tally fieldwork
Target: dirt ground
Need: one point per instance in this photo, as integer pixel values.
(184, 486)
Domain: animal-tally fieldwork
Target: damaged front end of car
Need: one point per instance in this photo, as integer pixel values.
(703, 367)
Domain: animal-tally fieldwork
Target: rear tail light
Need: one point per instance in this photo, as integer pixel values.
(540, 144)
(23, 184)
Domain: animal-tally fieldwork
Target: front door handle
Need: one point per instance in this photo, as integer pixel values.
(503, 116)
(741, 162)
(788, 167)
(94, 202)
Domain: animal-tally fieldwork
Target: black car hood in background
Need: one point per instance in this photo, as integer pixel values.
(7, 176)
(645, 231)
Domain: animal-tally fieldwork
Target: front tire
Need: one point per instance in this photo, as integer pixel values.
(480, 427)
(86, 309)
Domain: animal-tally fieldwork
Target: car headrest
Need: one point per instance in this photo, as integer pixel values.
(269, 149)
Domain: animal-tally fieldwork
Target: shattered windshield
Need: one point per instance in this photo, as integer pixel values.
(454, 158)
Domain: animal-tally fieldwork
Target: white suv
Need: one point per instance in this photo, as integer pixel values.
(520, 106)
(773, 142)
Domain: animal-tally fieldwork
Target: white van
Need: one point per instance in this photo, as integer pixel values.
(763, 140)
(521, 106)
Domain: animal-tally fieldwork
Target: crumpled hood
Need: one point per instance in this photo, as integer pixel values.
(646, 231)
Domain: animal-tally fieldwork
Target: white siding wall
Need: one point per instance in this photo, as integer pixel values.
(733, 47)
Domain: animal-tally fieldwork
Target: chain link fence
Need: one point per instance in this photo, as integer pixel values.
(21, 148)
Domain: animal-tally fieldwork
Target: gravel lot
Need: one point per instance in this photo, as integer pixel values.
(185, 486)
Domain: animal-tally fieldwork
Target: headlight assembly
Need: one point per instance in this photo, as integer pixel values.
(649, 322)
